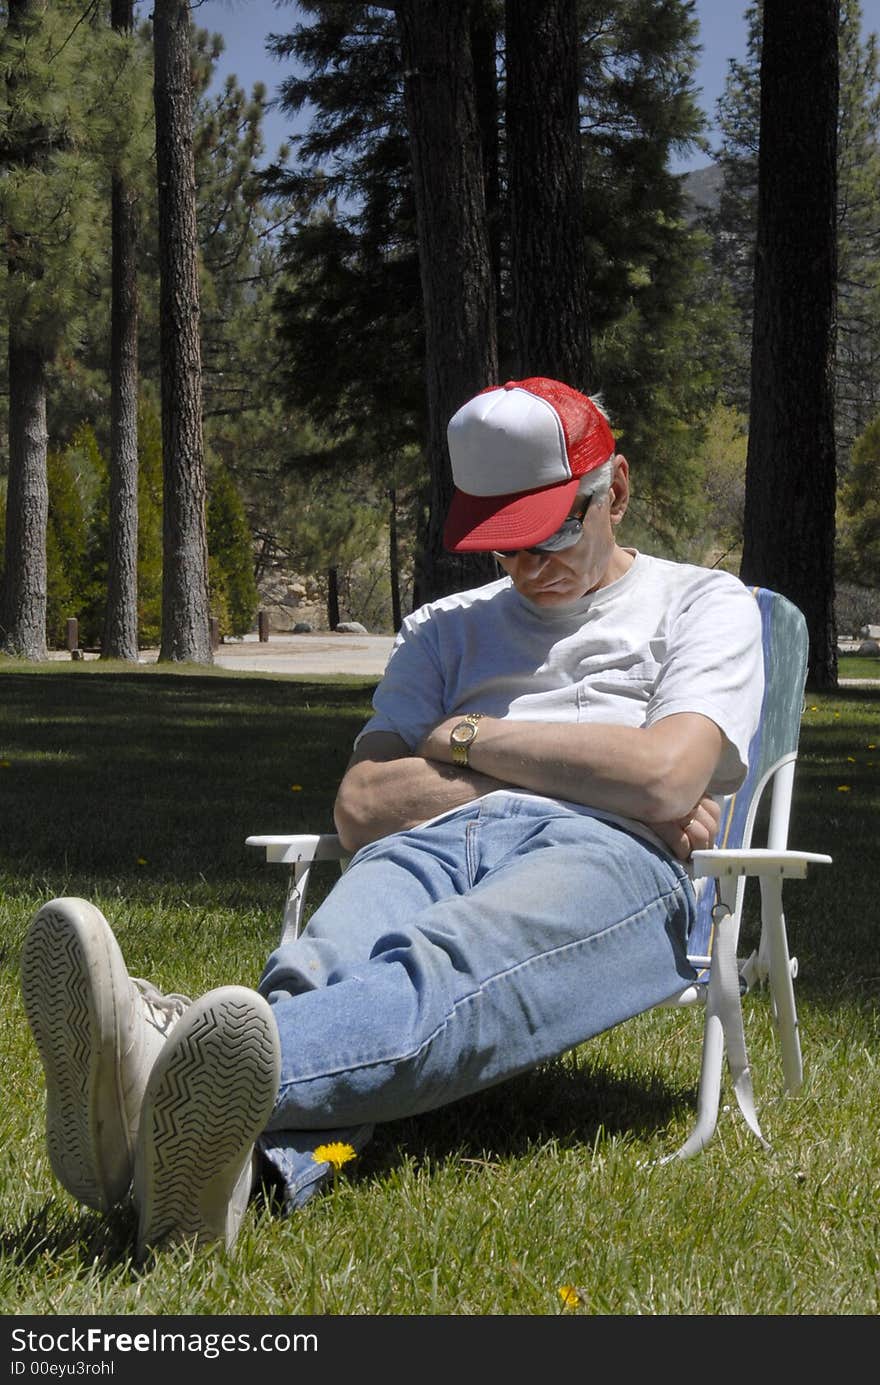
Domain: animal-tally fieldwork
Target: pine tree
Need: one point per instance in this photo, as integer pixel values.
(350, 314)
(185, 606)
(857, 363)
(120, 636)
(234, 595)
(54, 65)
(550, 309)
(458, 300)
(790, 471)
(66, 539)
(859, 557)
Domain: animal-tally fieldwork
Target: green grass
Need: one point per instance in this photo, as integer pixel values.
(136, 789)
(858, 666)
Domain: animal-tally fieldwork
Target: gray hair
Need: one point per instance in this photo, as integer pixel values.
(598, 481)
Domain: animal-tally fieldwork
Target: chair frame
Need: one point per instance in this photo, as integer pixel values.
(723, 976)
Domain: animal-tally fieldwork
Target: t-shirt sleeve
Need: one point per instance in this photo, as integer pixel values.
(410, 697)
(714, 665)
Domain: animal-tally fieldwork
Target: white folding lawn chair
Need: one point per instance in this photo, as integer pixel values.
(712, 947)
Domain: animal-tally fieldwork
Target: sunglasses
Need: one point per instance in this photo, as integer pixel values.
(566, 536)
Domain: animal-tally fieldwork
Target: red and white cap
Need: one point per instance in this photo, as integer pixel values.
(518, 452)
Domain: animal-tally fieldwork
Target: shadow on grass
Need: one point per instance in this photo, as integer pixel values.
(163, 776)
(90, 1243)
(565, 1104)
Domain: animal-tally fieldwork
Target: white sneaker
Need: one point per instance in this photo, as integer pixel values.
(98, 1031)
(208, 1097)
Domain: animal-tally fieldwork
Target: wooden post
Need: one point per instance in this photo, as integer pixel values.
(72, 634)
(215, 633)
(263, 624)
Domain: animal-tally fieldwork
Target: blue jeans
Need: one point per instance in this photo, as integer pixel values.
(452, 957)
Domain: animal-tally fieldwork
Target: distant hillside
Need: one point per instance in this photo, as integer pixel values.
(703, 190)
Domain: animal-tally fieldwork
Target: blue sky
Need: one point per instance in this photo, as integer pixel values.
(245, 24)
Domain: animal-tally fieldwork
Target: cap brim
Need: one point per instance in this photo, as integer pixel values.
(480, 523)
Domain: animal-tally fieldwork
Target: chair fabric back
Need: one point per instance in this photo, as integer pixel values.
(775, 742)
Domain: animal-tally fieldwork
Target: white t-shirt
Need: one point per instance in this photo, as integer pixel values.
(664, 638)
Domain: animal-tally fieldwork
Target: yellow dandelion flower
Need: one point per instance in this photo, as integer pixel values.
(4, 764)
(336, 1154)
(142, 860)
(843, 788)
(569, 1295)
(296, 788)
(850, 759)
(871, 745)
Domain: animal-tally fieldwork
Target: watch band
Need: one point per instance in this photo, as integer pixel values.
(462, 737)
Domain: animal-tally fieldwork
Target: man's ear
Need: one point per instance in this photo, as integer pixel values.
(619, 497)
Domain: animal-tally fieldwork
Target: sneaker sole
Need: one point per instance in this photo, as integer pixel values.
(209, 1096)
(71, 974)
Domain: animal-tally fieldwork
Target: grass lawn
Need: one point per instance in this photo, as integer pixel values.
(137, 788)
(858, 666)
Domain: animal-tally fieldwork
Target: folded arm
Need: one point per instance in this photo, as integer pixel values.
(386, 788)
(657, 775)
(651, 773)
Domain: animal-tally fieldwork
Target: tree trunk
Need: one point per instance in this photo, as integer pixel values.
(121, 619)
(23, 604)
(333, 597)
(454, 257)
(791, 467)
(27, 505)
(394, 561)
(484, 42)
(186, 630)
(551, 322)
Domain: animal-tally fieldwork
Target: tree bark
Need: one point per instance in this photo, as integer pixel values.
(394, 561)
(333, 597)
(186, 633)
(27, 504)
(484, 41)
(23, 604)
(454, 257)
(791, 467)
(551, 318)
(121, 618)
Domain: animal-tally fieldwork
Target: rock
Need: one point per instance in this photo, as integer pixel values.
(866, 647)
(302, 627)
(350, 627)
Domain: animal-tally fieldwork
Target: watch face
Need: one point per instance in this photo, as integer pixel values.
(463, 734)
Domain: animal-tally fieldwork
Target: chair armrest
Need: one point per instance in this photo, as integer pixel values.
(292, 848)
(755, 861)
(298, 851)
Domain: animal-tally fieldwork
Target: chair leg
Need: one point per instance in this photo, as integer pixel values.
(781, 984)
(709, 1092)
(291, 922)
(723, 1034)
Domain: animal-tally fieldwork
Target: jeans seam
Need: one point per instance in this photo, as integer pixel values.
(471, 849)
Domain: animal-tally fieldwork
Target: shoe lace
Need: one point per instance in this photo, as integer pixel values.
(161, 1010)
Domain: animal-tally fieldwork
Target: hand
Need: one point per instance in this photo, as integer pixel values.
(696, 832)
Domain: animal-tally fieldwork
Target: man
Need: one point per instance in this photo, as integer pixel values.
(544, 754)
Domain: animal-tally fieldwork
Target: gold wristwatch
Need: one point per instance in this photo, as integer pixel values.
(461, 737)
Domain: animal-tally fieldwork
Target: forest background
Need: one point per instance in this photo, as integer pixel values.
(312, 325)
